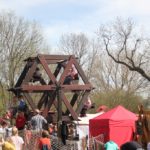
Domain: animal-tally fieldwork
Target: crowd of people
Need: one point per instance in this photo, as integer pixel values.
(17, 128)
(16, 121)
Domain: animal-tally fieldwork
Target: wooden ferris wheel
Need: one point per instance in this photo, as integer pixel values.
(52, 86)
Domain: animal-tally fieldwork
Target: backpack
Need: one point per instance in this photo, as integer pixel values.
(44, 147)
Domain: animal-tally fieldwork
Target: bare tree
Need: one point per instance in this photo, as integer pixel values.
(83, 48)
(110, 76)
(115, 84)
(126, 47)
(75, 44)
(92, 55)
(19, 39)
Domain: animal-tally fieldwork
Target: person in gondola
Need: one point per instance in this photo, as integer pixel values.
(87, 105)
(72, 75)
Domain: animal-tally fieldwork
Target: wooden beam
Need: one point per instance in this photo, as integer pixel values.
(41, 101)
(38, 88)
(55, 57)
(23, 74)
(53, 99)
(30, 101)
(76, 87)
(72, 112)
(73, 101)
(66, 70)
(30, 73)
(82, 101)
(45, 66)
(81, 72)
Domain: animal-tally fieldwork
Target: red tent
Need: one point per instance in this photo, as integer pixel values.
(117, 124)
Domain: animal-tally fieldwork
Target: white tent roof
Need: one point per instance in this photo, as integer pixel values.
(85, 120)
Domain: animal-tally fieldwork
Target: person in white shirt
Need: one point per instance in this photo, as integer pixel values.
(16, 139)
(148, 146)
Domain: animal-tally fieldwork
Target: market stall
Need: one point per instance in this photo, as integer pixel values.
(117, 124)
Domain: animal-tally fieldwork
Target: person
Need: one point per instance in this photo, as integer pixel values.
(87, 105)
(111, 145)
(51, 129)
(148, 146)
(7, 145)
(44, 141)
(72, 75)
(71, 130)
(38, 121)
(55, 131)
(14, 107)
(16, 139)
(139, 129)
(64, 132)
(7, 115)
(6, 129)
(20, 120)
(22, 106)
(37, 76)
(132, 145)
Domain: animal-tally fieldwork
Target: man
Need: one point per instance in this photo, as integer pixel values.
(38, 121)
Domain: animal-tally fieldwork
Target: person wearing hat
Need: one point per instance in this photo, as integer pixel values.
(38, 121)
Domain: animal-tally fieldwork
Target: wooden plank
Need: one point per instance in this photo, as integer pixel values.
(53, 99)
(73, 101)
(76, 87)
(30, 101)
(47, 69)
(23, 74)
(38, 88)
(83, 100)
(66, 70)
(49, 61)
(57, 70)
(41, 101)
(55, 57)
(81, 72)
(72, 112)
(30, 73)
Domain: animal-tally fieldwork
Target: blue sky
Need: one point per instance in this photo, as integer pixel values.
(58, 17)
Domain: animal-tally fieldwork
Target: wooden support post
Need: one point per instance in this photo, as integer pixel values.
(59, 119)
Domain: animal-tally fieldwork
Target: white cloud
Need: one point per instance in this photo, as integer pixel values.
(97, 12)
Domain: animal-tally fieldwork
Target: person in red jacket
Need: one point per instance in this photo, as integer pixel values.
(44, 141)
(20, 120)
